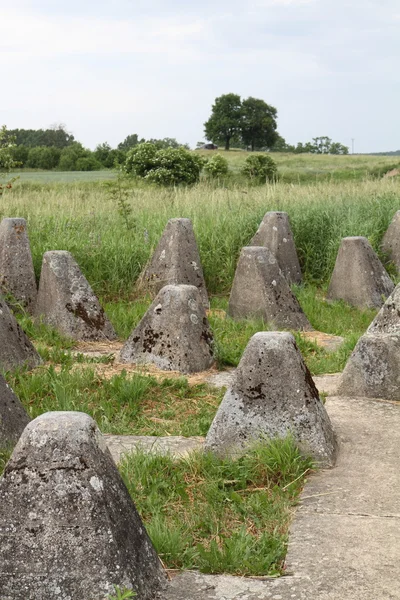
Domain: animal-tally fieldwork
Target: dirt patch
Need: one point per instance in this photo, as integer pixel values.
(329, 342)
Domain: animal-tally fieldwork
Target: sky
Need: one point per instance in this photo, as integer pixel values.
(153, 67)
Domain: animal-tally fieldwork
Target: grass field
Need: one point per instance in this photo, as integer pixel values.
(327, 198)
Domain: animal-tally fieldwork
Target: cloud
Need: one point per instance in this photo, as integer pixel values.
(155, 67)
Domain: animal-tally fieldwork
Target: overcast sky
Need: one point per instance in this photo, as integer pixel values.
(154, 67)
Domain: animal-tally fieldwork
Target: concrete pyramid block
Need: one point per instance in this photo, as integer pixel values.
(174, 334)
(373, 369)
(16, 349)
(388, 318)
(276, 234)
(272, 395)
(67, 302)
(359, 278)
(176, 260)
(17, 275)
(260, 290)
(68, 526)
(391, 240)
(13, 418)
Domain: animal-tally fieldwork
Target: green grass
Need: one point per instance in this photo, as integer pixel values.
(82, 218)
(4, 456)
(337, 318)
(48, 177)
(219, 515)
(125, 405)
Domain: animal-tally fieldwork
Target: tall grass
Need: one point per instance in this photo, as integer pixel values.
(81, 218)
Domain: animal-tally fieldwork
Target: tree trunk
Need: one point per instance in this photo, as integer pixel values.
(227, 141)
(252, 145)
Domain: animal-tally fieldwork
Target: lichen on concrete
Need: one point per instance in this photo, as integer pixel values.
(68, 526)
(176, 260)
(272, 395)
(174, 334)
(67, 302)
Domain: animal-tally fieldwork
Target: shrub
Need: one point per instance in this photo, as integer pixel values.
(260, 168)
(140, 159)
(88, 163)
(217, 166)
(77, 158)
(43, 157)
(170, 166)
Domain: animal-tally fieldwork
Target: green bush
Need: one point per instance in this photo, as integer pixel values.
(217, 166)
(260, 168)
(43, 157)
(141, 159)
(88, 163)
(170, 166)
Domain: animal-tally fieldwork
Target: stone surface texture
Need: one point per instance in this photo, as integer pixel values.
(174, 445)
(359, 277)
(174, 334)
(13, 417)
(16, 350)
(260, 290)
(68, 526)
(67, 302)
(391, 240)
(343, 543)
(373, 369)
(176, 260)
(276, 234)
(272, 395)
(388, 318)
(17, 275)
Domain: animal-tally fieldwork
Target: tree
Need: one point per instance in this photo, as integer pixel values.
(130, 142)
(7, 146)
(57, 137)
(258, 123)
(337, 148)
(280, 145)
(322, 144)
(43, 157)
(225, 121)
(78, 158)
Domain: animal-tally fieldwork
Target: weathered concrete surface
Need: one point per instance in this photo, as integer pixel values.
(359, 277)
(325, 384)
(344, 539)
(17, 275)
(391, 240)
(273, 394)
(276, 234)
(259, 290)
(174, 334)
(16, 350)
(176, 260)
(13, 417)
(67, 302)
(388, 318)
(68, 526)
(175, 445)
(373, 369)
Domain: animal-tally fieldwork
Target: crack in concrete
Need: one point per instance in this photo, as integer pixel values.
(350, 514)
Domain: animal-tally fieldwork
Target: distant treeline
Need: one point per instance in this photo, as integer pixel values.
(57, 149)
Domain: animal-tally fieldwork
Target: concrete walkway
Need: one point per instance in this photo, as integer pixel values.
(345, 539)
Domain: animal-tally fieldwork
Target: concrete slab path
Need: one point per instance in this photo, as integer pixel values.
(345, 539)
